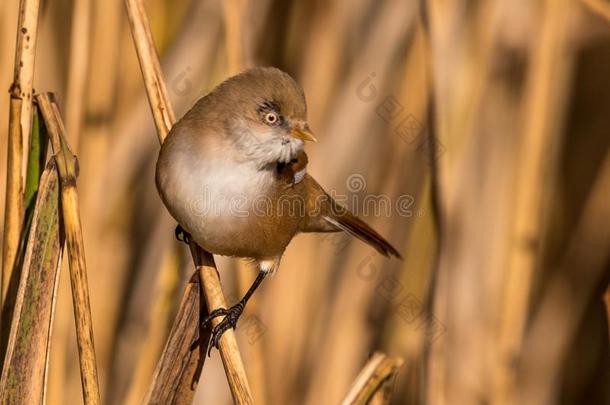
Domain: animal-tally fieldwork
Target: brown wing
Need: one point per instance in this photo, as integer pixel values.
(325, 215)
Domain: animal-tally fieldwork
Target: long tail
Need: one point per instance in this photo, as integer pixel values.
(358, 228)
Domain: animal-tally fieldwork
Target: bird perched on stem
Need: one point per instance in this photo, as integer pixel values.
(232, 172)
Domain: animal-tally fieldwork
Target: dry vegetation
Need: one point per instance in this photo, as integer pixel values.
(484, 123)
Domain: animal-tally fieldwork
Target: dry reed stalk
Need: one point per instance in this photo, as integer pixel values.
(78, 68)
(375, 374)
(156, 90)
(548, 80)
(24, 373)
(164, 118)
(178, 369)
(36, 163)
(190, 59)
(383, 396)
(20, 118)
(229, 352)
(67, 168)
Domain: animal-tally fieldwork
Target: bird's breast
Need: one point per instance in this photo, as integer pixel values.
(229, 208)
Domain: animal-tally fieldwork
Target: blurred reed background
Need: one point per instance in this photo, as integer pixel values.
(485, 124)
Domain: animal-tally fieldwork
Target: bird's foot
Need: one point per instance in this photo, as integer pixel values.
(182, 235)
(231, 316)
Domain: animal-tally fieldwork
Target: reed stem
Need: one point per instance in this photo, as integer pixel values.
(164, 119)
(20, 120)
(67, 168)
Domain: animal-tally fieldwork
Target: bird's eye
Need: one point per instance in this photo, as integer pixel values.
(271, 118)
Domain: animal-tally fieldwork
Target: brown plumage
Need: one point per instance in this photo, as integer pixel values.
(232, 172)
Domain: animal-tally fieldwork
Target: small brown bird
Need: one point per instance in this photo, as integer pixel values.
(232, 172)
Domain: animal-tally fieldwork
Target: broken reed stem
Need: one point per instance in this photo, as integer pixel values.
(67, 168)
(164, 119)
(377, 372)
(20, 118)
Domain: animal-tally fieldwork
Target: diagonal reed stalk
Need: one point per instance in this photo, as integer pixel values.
(67, 168)
(178, 370)
(164, 119)
(24, 374)
(372, 379)
(20, 118)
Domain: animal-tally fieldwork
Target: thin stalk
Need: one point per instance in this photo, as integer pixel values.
(161, 109)
(67, 168)
(164, 119)
(20, 117)
(229, 352)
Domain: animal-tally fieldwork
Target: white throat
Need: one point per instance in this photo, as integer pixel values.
(269, 147)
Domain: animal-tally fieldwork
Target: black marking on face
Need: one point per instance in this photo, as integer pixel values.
(269, 112)
(269, 105)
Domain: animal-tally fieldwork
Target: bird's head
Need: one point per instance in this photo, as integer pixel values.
(267, 114)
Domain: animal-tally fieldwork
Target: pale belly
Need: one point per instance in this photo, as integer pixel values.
(231, 211)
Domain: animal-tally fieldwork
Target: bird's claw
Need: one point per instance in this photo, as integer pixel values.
(215, 313)
(182, 235)
(231, 317)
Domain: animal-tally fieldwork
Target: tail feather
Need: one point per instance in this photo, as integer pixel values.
(358, 228)
(326, 215)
